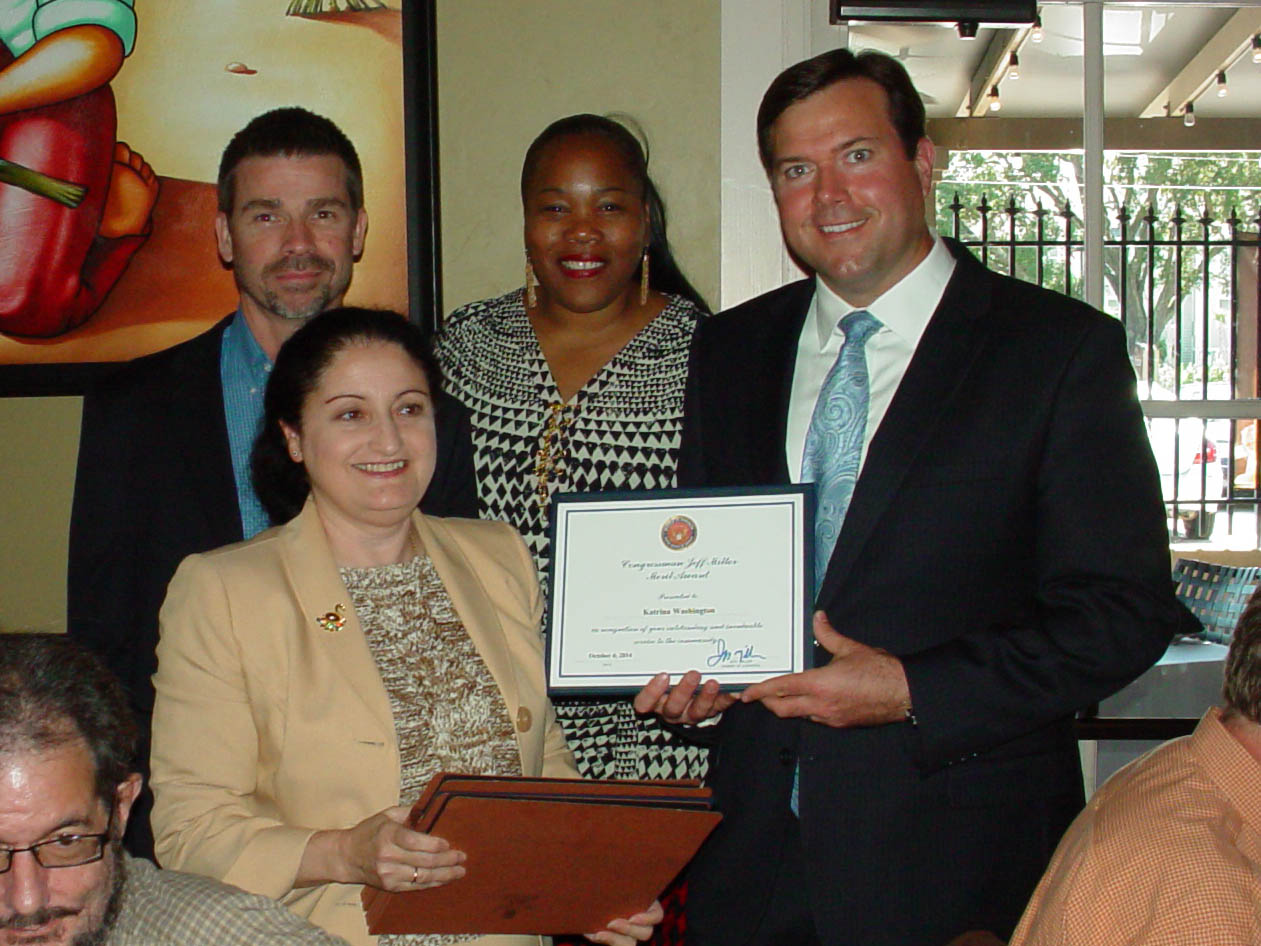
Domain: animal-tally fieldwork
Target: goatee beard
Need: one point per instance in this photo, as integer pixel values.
(298, 264)
(272, 303)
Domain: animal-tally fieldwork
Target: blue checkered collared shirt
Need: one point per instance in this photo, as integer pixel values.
(243, 371)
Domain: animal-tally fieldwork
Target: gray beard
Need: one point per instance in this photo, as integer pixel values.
(100, 935)
(271, 302)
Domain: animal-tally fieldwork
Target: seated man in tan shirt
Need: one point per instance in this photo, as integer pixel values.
(1169, 849)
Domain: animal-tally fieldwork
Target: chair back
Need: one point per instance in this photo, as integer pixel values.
(1216, 594)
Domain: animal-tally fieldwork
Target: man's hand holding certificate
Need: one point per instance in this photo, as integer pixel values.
(859, 686)
(675, 581)
(687, 703)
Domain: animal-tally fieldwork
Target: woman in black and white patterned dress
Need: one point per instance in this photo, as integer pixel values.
(575, 382)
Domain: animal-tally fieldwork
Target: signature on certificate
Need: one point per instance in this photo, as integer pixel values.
(740, 655)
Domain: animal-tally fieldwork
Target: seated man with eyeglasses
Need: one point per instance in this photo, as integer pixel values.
(67, 782)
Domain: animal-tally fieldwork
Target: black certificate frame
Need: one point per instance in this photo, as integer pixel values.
(671, 500)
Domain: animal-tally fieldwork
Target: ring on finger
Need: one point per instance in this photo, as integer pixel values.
(415, 874)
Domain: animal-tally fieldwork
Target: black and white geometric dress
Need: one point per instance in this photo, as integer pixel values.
(620, 431)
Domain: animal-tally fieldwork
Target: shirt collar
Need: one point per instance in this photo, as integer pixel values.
(242, 349)
(1229, 764)
(904, 308)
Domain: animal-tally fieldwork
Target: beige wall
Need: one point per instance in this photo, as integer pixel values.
(506, 70)
(40, 438)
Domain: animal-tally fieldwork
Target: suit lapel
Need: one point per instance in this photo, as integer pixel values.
(199, 438)
(319, 588)
(780, 358)
(946, 352)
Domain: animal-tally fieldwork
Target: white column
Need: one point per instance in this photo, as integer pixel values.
(1092, 139)
(759, 40)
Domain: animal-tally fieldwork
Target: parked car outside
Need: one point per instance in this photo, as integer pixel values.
(1246, 479)
(1191, 478)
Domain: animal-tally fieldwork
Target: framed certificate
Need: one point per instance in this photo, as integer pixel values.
(678, 580)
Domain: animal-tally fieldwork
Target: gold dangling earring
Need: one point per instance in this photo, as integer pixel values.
(643, 279)
(531, 281)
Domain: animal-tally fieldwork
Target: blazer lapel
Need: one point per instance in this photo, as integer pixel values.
(780, 357)
(320, 590)
(199, 438)
(949, 346)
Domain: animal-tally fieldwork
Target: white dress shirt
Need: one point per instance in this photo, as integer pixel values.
(903, 311)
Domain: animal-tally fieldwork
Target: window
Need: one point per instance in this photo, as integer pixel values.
(1179, 271)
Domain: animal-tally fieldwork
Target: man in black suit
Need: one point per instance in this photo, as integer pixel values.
(164, 449)
(1003, 561)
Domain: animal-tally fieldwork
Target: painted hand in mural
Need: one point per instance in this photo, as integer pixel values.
(57, 120)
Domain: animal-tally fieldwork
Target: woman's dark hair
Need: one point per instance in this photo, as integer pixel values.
(664, 273)
(281, 484)
(800, 81)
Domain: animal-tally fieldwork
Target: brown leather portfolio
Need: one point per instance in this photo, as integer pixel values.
(547, 856)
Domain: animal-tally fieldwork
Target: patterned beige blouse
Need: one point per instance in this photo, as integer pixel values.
(448, 712)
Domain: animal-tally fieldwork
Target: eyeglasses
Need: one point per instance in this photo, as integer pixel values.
(71, 850)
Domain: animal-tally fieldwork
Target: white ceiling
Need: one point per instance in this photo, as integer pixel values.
(1146, 49)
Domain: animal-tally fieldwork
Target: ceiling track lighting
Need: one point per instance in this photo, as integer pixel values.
(1188, 115)
(995, 102)
(1222, 88)
(1036, 34)
(1256, 48)
(1013, 67)
(967, 29)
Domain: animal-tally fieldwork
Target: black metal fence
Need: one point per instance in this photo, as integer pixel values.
(1175, 284)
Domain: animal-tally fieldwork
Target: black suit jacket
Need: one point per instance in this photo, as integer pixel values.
(155, 484)
(1006, 539)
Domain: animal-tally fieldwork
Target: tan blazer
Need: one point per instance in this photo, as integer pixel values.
(268, 726)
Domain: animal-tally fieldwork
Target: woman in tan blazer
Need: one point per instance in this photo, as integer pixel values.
(290, 730)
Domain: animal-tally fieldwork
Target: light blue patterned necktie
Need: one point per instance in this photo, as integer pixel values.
(834, 446)
(834, 441)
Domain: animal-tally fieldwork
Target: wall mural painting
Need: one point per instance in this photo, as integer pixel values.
(75, 204)
(113, 114)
